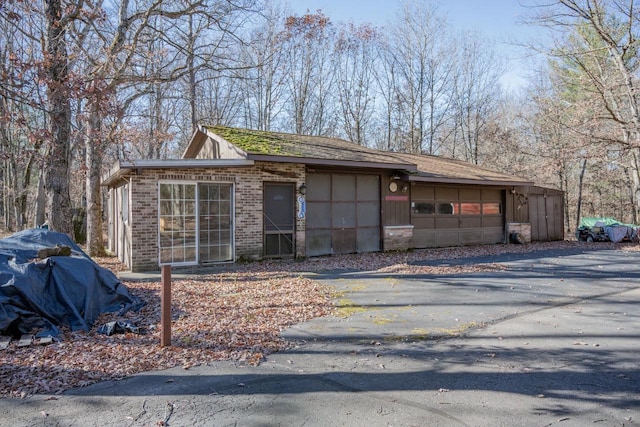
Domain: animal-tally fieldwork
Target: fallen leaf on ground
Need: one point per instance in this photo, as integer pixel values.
(236, 314)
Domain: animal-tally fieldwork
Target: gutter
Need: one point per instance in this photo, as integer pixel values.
(488, 182)
(331, 162)
(123, 168)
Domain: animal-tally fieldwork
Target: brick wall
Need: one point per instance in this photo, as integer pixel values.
(248, 182)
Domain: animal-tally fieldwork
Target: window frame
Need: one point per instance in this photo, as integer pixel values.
(232, 236)
(160, 217)
(458, 208)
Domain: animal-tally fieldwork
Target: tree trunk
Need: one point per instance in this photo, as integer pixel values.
(579, 203)
(635, 179)
(9, 174)
(17, 197)
(192, 77)
(22, 200)
(56, 167)
(3, 201)
(93, 159)
(40, 202)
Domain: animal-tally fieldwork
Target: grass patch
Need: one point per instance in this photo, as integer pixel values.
(346, 308)
(460, 329)
(382, 320)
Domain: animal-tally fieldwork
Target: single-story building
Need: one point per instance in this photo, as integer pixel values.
(239, 194)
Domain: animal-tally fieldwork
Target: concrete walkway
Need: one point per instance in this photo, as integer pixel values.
(550, 340)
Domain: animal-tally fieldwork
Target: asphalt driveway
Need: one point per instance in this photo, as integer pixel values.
(547, 339)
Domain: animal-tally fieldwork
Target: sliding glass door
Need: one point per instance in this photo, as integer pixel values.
(195, 223)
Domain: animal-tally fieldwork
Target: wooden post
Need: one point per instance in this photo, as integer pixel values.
(165, 303)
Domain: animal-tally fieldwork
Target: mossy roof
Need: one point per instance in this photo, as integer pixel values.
(303, 146)
(255, 141)
(423, 167)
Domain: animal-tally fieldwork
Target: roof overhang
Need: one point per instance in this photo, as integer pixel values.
(331, 162)
(124, 168)
(466, 181)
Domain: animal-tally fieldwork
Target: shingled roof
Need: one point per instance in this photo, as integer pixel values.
(440, 169)
(318, 150)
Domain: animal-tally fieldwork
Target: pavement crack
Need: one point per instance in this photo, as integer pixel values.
(566, 303)
(395, 400)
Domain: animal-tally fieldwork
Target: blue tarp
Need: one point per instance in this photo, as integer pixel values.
(40, 295)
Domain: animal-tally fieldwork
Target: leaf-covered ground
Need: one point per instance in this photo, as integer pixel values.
(235, 314)
(231, 315)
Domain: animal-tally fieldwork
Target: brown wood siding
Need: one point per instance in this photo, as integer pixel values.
(395, 205)
(540, 207)
(547, 217)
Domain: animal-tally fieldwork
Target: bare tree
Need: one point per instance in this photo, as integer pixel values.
(476, 91)
(58, 16)
(22, 120)
(422, 52)
(123, 62)
(597, 40)
(265, 78)
(307, 47)
(356, 56)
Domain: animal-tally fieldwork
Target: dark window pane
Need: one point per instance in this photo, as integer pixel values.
(446, 209)
(190, 207)
(189, 191)
(318, 187)
(343, 215)
(165, 256)
(224, 253)
(344, 188)
(318, 215)
(165, 191)
(368, 214)
(424, 208)
(368, 188)
(225, 192)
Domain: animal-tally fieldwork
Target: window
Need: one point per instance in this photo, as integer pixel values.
(463, 208)
(470, 208)
(215, 222)
(177, 223)
(125, 203)
(425, 208)
(447, 209)
(492, 208)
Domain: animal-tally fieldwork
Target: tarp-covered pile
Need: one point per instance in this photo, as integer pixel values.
(615, 230)
(39, 295)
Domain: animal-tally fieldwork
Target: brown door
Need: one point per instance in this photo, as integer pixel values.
(546, 217)
(279, 219)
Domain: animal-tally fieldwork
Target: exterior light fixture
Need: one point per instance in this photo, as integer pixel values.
(302, 189)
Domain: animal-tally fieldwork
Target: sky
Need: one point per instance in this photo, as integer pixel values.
(497, 20)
